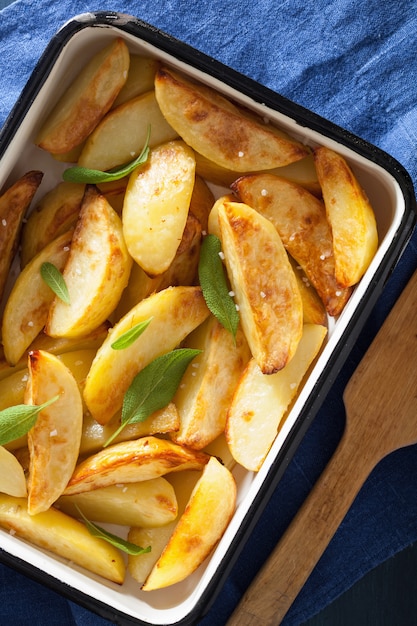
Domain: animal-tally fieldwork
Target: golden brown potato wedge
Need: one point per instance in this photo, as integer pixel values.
(54, 215)
(121, 135)
(27, 306)
(96, 272)
(350, 215)
(133, 461)
(86, 100)
(260, 401)
(207, 386)
(200, 527)
(54, 440)
(302, 172)
(140, 78)
(300, 219)
(156, 205)
(95, 435)
(12, 475)
(149, 503)
(220, 131)
(264, 285)
(64, 536)
(174, 313)
(14, 203)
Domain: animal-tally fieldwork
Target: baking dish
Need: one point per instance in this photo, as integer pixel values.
(390, 191)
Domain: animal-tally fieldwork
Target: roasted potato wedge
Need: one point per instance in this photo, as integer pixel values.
(12, 475)
(175, 312)
(156, 205)
(55, 214)
(14, 203)
(200, 527)
(207, 386)
(121, 135)
(133, 461)
(219, 130)
(27, 307)
(350, 215)
(64, 536)
(264, 285)
(95, 435)
(140, 78)
(86, 100)
(261, 402)
(96, 272)
(300, 219)
(54, 440)
(149, 503)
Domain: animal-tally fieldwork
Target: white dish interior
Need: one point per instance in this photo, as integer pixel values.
(174, 604)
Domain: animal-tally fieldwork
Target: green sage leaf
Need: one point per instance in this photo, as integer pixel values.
(154, 387)
(130, 336)
(16, 421)
(114, 540)
(55, 281)
(214, 286)
(78, 174)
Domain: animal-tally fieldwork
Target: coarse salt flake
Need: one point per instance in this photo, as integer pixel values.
(4, 222)
(53, 433)
(66, 248)
(262, 294)
(231, 294)
(264, 192)
(221, 255)
(293, 385)
(338, 293)
(240, 154)
(30, 324)
(237, 307)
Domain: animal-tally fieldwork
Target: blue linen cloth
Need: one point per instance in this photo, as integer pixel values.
(354, 63)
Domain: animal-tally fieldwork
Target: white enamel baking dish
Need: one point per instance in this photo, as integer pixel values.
(390, 191)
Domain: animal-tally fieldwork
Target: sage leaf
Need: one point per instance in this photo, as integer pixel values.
(114, 540)
(78, 174)
(154, 387)
(214, 285)
(16, 421)
(55, 281)
(130, 336)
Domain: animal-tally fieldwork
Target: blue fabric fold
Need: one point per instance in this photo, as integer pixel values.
(355, 64)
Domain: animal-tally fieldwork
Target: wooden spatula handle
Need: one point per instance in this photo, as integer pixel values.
(294, 558)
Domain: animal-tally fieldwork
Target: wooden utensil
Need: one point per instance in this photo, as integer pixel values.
(381, 416)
